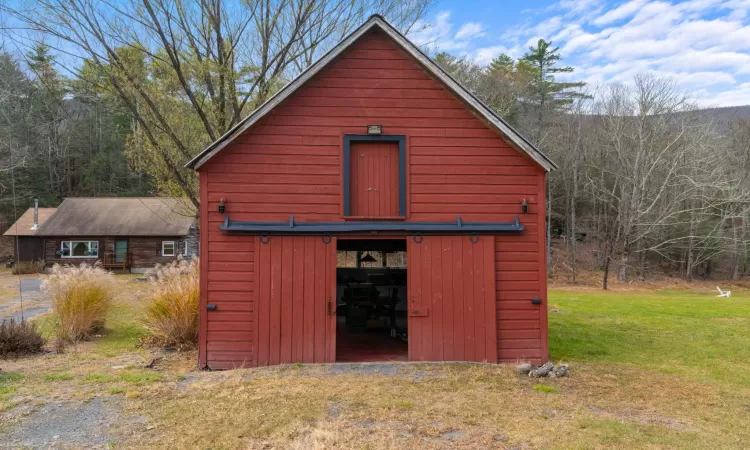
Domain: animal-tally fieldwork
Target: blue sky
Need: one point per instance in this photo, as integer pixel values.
(703, 44)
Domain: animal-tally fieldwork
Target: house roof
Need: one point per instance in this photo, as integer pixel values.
(377, 21)
(24, 226)
(149, 216)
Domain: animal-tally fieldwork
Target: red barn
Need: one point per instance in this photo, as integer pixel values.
(372, 210)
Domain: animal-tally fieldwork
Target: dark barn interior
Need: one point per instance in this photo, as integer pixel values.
(371, 300)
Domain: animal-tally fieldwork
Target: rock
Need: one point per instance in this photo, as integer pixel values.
(523, 369)
(542, 371)
(560, 371)
(153, 362)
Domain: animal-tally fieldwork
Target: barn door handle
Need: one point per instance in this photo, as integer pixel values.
(330, 307)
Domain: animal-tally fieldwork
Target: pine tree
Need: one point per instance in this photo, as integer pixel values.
(548, 95)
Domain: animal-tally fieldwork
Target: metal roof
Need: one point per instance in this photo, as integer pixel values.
(24, 226)
(377, 21)
(151, 216)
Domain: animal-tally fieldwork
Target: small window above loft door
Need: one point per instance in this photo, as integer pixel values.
(374, 178)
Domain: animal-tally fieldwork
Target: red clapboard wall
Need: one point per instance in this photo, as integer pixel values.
(374, 179)
(290, 163)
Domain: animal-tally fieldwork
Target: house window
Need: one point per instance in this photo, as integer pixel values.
(79, 249)
(167, 248)
(185, 249)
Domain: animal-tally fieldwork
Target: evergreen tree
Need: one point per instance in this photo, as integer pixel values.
(547, 94)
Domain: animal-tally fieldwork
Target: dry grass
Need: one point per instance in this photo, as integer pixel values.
(442, 406)
(171, 311)
(28, 267)
(611, 400)
(81, 297)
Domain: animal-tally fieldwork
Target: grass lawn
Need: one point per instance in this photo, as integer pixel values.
(691, 334)
(650, 369)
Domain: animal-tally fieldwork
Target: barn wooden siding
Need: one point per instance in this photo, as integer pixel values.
(290, 164)
(451, 282)
(374, 179)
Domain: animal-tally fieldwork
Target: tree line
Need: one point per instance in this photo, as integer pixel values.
(102, 98)
(652, 180)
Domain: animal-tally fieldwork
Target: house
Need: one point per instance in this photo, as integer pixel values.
(373, 209)
(121, 233)
(28, 245)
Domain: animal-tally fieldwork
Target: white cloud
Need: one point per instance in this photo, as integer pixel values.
(738, 96)
(487, 54)
(622, 12)
(703, 44)
(470, 30)
(438, 34)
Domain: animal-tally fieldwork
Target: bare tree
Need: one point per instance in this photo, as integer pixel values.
(189, 71)
(656, 159)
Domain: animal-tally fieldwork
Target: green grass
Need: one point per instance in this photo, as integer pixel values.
(99, 378)
(545, 388)
(686, 333)
(58, 377)
(141, 377)
(123, 330)
(8, 382)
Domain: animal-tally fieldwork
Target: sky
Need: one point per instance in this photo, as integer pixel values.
(704, 45)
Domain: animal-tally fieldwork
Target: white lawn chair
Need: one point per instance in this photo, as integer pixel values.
(723, 293)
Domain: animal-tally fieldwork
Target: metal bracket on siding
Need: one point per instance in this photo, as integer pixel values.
(327, 238)
(418, 237)
(473, 238)
(264, 238)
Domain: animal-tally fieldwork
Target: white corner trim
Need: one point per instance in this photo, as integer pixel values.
(480, 108)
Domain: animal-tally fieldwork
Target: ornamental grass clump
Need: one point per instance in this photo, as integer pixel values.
(19, 338)
(171, 312)
(81, 297)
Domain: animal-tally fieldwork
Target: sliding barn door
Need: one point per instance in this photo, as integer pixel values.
(295, 311)
(451, 287)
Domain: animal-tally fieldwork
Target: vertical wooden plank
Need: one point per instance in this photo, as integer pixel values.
(298, 297)
(330, 274)
(321, 300)
(275, 246)
(479, 298)
(436, 307)
(287, 292)
(308, 319)
(449, 300)
(262, 302)
(490, 315)
(203, 269)
(459, 303)
(426, 248)
(414, 288)
(468, 260)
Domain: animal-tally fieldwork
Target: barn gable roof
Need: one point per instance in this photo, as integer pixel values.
(377, 21)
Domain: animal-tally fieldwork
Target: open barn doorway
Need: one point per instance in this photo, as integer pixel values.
(371, 293)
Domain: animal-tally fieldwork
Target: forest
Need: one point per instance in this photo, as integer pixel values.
(100, 99)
